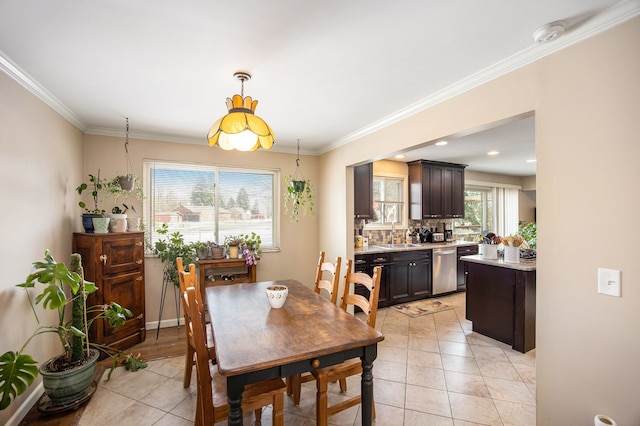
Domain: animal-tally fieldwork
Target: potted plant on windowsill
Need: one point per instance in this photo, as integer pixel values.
(232, 243)
(251, 247)
(67, 378)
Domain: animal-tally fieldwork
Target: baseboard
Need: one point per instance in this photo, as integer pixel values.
(26, 406)
(153, 325)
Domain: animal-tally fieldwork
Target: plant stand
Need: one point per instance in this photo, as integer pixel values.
(45, 406)
(165, 283)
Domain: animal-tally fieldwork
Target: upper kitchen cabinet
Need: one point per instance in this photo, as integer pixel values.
(363, 191)
(436, 190)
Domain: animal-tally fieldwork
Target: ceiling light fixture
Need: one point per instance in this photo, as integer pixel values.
(531, 161)
(399, 156)
(442, 143)
(493, 152)
(241, 129)
(549, 32)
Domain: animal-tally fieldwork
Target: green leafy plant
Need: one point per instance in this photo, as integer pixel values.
(297, 197)
(97, 187)
(528, 231)
(114, 189)
(18, 369)
(233, 240)
(170, 247)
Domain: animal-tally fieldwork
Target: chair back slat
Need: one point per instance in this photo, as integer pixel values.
(368, 305)
(329, 285)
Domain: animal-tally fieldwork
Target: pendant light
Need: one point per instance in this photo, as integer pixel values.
(241, 129)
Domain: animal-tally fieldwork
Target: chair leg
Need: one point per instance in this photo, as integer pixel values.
(188, 366)
(258, 414)
(343, 385)
(296, 388)
(277, 414)
(321, 402)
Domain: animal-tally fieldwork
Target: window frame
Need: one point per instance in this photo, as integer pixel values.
(149, 164)
(405, 198)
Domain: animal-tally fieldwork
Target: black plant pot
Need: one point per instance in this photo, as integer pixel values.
(298, 185)
(87, 222)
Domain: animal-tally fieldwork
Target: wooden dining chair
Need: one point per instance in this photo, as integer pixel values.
(328, 279)
(187, 279)
(211, 402)
(340, 372)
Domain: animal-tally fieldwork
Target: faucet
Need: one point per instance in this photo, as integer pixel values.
(393, 231)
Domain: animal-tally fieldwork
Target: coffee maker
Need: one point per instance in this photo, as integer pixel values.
(448, 233)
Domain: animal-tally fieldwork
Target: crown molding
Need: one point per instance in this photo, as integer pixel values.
(609, 18)
(603, 21)
(29, 83)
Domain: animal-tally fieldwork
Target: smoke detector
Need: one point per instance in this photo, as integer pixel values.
(549, 32)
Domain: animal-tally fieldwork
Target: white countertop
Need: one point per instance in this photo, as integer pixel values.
(523, 265)
(422, 246)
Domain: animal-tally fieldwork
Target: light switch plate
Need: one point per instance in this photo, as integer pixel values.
(609, 282)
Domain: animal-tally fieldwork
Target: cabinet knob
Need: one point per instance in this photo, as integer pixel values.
(141, 316)
(315, 363)
(103, 258)
(139, 243)
(139, 278)
(139, 261)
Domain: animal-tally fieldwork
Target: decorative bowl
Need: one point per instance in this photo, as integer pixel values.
(277, 295)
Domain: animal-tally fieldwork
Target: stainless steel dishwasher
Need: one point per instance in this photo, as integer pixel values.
(444, 270)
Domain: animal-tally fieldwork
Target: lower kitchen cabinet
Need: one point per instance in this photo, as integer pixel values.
(406, 275)
(464, 251)
(115, 263)
(409, 276)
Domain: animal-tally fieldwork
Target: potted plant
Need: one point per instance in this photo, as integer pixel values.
(298, 196)
(251, 247)
(96, 185)
(232, 243)
(170, 248)
(202, 250)
(66, 377)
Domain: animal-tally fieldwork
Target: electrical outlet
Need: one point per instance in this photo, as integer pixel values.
(609, 282)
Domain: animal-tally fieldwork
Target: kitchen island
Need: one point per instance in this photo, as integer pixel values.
(501, 300)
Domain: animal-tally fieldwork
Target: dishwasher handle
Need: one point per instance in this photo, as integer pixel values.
(443, 252)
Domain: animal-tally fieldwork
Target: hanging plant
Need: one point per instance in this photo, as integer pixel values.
(297, 196)
(127, 179)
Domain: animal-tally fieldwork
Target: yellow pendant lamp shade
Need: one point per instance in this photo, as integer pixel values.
(241, 129)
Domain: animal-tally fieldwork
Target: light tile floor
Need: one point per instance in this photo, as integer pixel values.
(430, 370)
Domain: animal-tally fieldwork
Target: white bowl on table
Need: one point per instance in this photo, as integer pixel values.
(277, 295)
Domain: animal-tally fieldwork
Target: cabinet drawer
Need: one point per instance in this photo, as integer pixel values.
(413, 255)
(467, 250)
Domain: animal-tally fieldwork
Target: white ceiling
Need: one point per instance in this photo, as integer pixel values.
(324, 72)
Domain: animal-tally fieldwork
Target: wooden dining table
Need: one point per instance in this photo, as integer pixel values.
(254, 342)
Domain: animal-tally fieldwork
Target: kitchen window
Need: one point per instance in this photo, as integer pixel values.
(389, 195)
(488, 207)
(208, 203)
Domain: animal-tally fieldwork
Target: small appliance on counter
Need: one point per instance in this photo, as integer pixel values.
(424, 235)
(448, 233)
(437, 237)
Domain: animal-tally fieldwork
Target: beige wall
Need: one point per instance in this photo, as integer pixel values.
(298, 253)
(41, 162)
(586, 101)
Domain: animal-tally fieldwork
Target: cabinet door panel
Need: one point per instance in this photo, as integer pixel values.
(363, 191)
(447, 192)
(398, 281)
(420, 279)
(126, 290)
(435, 208)
(457, 190)
(122, 255)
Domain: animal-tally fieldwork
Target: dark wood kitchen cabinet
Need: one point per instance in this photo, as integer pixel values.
(406, 275)
(409, 276)
(501, 303)
(464, 251)
(363, 191)
(115, 262)
(365, 263)
(436, 190)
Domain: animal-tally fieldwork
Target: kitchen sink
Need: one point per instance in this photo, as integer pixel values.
(397, 246)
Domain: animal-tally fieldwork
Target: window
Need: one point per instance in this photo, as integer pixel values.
(388, 201)
(488, 208)
(208, 203)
